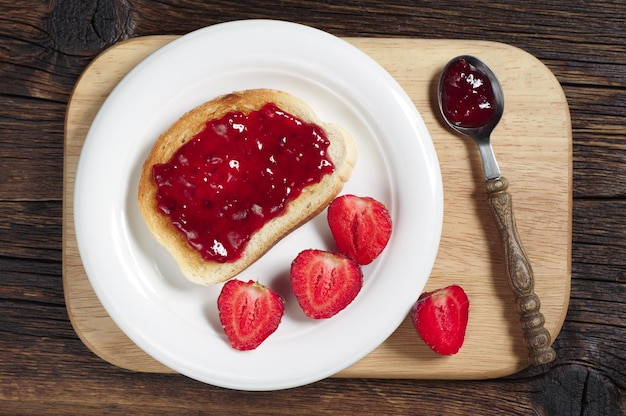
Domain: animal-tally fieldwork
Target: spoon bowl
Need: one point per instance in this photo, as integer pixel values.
(496, 101)
(471, 101)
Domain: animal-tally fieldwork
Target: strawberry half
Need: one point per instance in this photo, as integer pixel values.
(361, 227)
(249, 313)
(324, 283)
(440, 318)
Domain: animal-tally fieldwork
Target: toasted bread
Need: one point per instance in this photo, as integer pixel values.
(313, 199)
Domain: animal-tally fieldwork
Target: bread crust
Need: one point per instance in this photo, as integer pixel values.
(313, 199)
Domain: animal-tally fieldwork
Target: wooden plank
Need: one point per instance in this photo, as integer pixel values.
(532, 145)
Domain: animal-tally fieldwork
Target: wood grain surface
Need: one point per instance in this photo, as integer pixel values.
(542, 172)
(45, 368)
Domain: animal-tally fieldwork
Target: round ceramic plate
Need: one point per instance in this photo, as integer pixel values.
(176, 321)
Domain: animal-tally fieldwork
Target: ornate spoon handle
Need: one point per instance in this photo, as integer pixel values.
(520, 273)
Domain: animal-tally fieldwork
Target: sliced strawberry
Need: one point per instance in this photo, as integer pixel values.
(361, 227)
(249, 313)
(324, 283)
(440, 318)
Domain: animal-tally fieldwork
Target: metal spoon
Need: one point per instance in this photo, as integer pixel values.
(479, 125)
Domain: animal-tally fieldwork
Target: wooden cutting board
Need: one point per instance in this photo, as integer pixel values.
(534, 149)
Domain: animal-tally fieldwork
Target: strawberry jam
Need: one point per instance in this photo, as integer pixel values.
(236, 175)
(467, 97)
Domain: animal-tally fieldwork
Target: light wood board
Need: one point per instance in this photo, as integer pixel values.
(533, 148)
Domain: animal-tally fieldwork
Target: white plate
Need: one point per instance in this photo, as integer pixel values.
(139, 284)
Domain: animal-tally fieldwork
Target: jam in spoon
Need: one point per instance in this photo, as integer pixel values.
(471, 102)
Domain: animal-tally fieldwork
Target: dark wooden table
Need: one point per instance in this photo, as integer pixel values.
(46, 369)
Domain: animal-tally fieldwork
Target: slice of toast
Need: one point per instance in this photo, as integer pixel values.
(312, 200)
